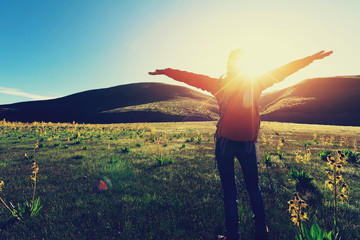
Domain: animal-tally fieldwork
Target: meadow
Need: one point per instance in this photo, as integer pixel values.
(165, 184)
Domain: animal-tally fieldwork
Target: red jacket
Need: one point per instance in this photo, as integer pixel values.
(237, 98)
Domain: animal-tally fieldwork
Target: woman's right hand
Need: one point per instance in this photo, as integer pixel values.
(157, 72)
(320, 55)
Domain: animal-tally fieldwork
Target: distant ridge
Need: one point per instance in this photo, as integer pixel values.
(331, 100)
(137, 102)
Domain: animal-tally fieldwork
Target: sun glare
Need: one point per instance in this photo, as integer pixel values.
(251, 65)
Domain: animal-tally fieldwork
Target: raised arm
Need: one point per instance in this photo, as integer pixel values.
(196, 80)
(279, 74)
(158, 72)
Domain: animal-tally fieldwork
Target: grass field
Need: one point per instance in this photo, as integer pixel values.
(165, 184)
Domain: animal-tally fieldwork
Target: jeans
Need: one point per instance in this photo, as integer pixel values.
(245, 152)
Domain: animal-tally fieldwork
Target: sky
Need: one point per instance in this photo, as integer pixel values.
(51, 49)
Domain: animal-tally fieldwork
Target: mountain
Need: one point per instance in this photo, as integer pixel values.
(332, 100)
(137, 102)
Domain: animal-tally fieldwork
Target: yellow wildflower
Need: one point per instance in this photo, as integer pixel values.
(303, 215)
(338, 178)
(35, 170)
(338, 167)
(331, 162)
(263, 138)
(342, 158)
(297, 209)
(343, 197)
(295, 219)
(322, 141)
(298, 157)
(329, 174)
(291, 209)
(307, 155)
(1, 185)
(344, 187)
(270, 140)
(336, 183)
(329, 184)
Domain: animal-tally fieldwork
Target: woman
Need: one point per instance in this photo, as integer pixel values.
(237, 95)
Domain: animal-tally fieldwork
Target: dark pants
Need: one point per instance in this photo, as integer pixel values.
(245, 152)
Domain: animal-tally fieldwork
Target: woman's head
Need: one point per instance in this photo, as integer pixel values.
(235, 62)
(236, 75)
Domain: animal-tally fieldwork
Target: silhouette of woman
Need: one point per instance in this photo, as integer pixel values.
(236, 135)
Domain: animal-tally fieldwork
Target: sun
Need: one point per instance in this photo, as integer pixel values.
(251, 64)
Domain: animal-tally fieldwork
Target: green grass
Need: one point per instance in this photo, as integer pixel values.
(182, 200)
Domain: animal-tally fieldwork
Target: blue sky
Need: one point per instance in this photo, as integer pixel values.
(55, 48)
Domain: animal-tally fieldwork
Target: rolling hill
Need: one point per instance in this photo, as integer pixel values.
(138, 102)
(332, 100)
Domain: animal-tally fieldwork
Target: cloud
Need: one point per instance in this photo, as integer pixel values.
(17, 92)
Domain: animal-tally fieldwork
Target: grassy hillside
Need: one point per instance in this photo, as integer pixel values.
(122, 103)
(164, 182)
(333, 100)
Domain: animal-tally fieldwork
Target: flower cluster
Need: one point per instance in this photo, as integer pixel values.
(36, 145)
(327, 141)
(297, 209)
(335, 180)
(267, 141)
(263, 137)
(315, 137)
(35, 170)
(299, 157)
(307, 155)
(343, 141)
(1, 200)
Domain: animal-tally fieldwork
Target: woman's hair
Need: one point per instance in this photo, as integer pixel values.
(233, 70)
(233, 61)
